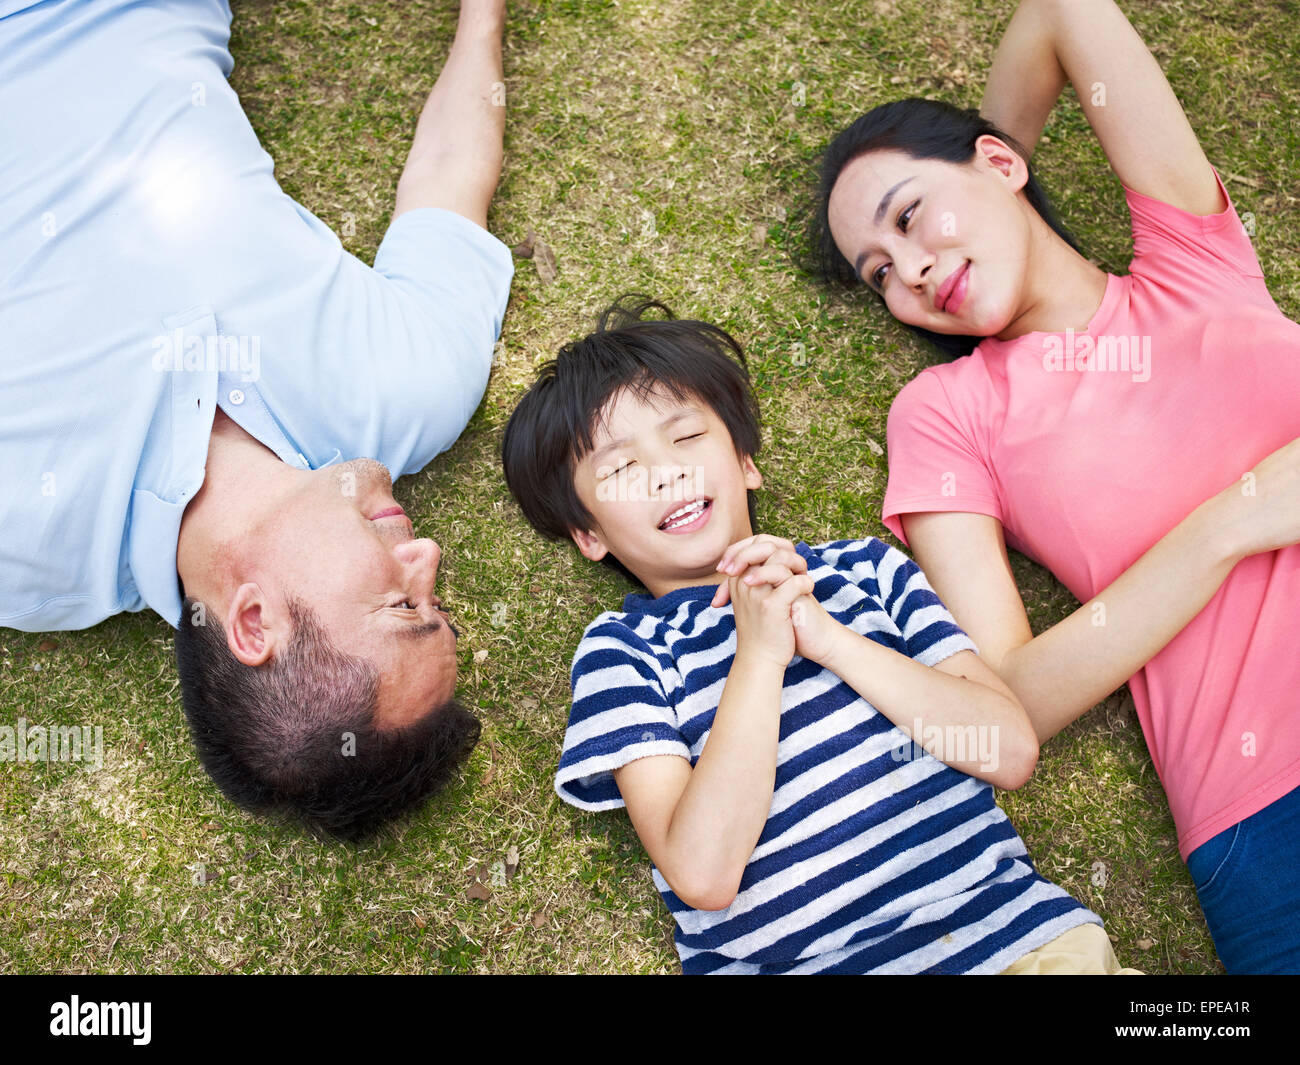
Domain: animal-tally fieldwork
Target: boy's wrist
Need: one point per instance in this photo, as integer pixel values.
(844, 645)
(751, 662)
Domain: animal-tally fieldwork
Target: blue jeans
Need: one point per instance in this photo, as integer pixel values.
(1248, 881)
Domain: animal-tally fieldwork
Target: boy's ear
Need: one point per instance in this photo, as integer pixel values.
(589, 544)
(753, 479)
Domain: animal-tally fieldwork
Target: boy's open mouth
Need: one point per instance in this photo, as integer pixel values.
(684, 516)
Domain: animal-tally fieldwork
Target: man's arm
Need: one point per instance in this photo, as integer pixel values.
(455, 159)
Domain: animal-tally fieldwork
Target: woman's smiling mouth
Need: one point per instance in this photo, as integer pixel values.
(953, 291)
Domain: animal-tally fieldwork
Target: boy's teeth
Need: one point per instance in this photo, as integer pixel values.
(683, 515)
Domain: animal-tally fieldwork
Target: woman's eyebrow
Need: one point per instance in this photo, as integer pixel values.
(889, 195)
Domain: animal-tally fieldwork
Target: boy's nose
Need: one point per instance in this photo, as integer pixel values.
(671, 475)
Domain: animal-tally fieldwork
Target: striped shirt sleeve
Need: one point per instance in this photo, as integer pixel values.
(930, 632)
(621, 712)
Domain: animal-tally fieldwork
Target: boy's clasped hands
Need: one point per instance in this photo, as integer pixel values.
(777, 615)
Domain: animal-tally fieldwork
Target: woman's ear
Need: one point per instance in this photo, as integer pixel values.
(590, 544)
(753, 479)
(1001, 157)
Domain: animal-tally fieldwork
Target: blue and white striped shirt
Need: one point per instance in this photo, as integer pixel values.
(876, 856)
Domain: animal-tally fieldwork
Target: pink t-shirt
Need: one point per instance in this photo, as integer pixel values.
(1088, 447)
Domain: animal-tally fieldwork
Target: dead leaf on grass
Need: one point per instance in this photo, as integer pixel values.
(524, 249)
(544, 260)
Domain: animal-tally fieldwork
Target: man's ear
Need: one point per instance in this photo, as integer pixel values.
(590, 544)
(753, 479)
(254, 629)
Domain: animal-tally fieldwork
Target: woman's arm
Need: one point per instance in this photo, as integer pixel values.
(1124, 94)
(1072, 666)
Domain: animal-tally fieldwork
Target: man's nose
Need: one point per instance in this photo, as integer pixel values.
(422, 556)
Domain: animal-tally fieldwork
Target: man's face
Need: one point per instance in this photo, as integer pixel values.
(949, 251)
(343, 546)
(666, 488)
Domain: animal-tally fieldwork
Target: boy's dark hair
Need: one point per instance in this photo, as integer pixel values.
(553, 426)
(273, 737)
(924, 129)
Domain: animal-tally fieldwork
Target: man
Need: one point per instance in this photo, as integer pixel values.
(187, 357)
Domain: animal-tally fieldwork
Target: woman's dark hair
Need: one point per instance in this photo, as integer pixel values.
(923, 129)
(554, 424)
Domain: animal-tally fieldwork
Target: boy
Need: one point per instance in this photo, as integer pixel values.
(760, 731)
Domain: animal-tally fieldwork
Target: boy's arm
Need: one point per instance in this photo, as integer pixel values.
(700, 825)
(936, 706)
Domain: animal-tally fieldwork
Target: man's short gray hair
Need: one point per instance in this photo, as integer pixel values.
(298, 734)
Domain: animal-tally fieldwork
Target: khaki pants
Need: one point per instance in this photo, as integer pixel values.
(1084, 950)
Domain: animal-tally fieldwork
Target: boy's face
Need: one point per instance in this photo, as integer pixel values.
(666, 488)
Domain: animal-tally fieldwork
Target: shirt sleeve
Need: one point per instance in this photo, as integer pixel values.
(621, 712)
(930, 632)
(388, 361)
(1193, 252)
(454, 278)
(933, 462)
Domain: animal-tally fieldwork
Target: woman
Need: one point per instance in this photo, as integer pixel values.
(1137, 435)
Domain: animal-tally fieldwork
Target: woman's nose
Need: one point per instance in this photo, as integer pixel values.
(913, 269)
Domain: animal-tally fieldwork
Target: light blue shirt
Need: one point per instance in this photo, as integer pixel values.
(151, 270)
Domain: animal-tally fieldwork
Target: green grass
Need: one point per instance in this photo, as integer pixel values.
(682, 115)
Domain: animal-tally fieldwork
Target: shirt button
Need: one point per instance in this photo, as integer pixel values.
(236, 396)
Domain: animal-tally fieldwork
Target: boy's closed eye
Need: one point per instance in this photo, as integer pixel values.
(607, 471)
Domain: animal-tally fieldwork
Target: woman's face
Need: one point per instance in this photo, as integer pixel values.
(947, 245)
